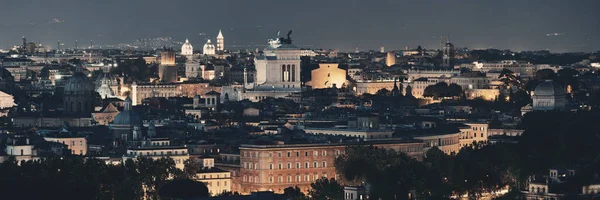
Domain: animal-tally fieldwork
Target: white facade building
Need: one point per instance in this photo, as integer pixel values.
(277, 71)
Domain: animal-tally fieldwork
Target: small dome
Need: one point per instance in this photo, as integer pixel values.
(549, 88)
(78, 83)
(187, 49)
(127, 116)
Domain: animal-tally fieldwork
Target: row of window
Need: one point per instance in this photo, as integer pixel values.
(289, 154)
(134, 153)
(211, 176)
(289, 178)
(307, 165)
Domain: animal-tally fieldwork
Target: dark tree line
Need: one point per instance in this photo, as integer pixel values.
(551, 140)
(393, 175)
(442, 89)
(79, 178)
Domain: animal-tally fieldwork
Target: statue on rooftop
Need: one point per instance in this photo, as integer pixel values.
(287, 40)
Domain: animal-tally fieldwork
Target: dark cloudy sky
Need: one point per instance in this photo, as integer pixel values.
(341, 24)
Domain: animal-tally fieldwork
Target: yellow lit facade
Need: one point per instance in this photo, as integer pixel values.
(327, 76)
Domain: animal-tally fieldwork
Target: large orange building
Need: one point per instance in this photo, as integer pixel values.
(276, 167)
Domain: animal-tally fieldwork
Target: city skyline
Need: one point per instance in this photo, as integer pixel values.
(554, 25)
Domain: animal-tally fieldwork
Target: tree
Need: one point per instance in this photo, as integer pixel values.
(454, 90)
(293, 193)
(184, 189)
(509, 79)
(545, 74)
(326, 189)
(390, 174)
(442, 89)
(383, 92)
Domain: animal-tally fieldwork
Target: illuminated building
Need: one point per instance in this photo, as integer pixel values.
(77, 145)
(390, 59)
(106, 115)
(187, 49)
(217, 180)
(327, 76)
(372, 86)
(277, 71)
(157, 148)
(220, 42)
(473, 132)
(279, 166)
(167, 70)
(192, 69)
(209, 48)
(6, 100)
(19, 147)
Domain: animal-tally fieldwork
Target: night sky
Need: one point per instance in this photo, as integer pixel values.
(340, 24)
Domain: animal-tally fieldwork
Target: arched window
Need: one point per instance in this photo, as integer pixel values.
(306, 165)
(289, 165)
(298, 165)
(316, 164)
(270, 165)
(280, 166)
(324, 164)
(255, 165)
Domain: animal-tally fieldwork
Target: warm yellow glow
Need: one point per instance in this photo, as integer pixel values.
(326, 76)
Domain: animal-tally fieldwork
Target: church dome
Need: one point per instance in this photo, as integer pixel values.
(127, 116)
(549, 88)
(78, 83)
(209, 48)
(187, 49)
